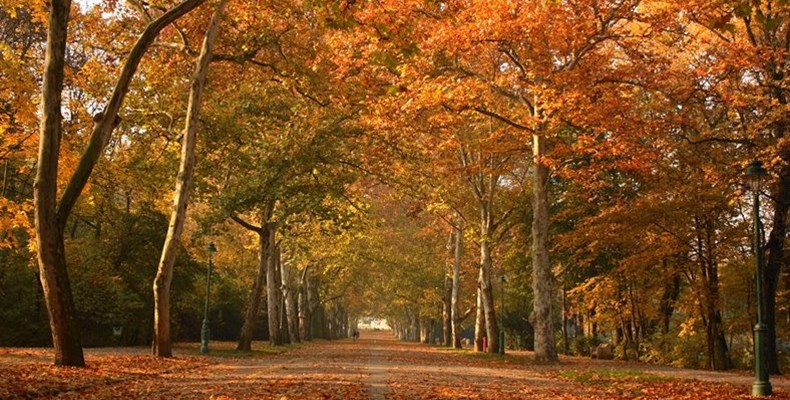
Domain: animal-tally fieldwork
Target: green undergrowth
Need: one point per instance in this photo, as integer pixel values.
(228, 350)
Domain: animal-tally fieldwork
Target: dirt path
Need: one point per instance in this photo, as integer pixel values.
(375, 367)
(377, 371)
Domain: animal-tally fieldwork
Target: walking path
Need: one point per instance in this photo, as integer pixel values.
(375, 367)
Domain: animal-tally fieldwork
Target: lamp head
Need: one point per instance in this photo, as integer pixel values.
(755, 174)
(211, 248)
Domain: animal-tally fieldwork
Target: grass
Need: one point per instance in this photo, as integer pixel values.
(469, 353)
(228, 349)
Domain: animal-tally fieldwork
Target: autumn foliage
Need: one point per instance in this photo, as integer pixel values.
(550, 176)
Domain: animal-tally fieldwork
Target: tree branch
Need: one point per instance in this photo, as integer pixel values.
(106, 121)
(245, 224)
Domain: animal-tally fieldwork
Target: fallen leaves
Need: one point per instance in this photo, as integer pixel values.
(40, 379)
(348, 370)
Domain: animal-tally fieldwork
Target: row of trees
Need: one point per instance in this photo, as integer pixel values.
(640, 118)
(285, 180)
(394, 158)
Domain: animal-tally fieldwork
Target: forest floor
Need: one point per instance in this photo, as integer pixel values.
(375, 367)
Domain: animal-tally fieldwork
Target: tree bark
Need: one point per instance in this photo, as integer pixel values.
(53, 273)
(492, 329)
(456, 307)
(480, 320)
(304, 306)
(273, 296)
(254, 302)
(542, 277)
(162, 345)
(290, 303)
(447, 314)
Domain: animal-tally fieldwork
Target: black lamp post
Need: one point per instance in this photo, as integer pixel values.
(502, 315)
(204, 333)
(755, 174)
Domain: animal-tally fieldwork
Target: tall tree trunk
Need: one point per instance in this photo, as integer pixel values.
(492, 330)
(718, 353)
(447, 313)
(273, 295)
(304, 306)
(282, 320)
(542, 277)
(290, 303)
(162, 345)
(313, 306)
(49, 235)
(456, 307)
(480, 321)
(254, 302)
(565, 347)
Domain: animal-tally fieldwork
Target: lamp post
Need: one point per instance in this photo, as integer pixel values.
(204, 333)
(502, 315)
(755, 173)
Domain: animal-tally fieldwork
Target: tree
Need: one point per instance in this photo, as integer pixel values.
(162, 346)
(737, 59)
(51, 214)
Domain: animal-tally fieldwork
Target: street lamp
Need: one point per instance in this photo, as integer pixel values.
(755, 174)
(204, 330)
(502, 315)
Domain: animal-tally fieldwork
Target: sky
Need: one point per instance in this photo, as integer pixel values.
(85, 4)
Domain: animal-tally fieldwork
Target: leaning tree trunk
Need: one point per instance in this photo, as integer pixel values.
(162, 345)
(542, 278)
(49, 236)
(459, 242)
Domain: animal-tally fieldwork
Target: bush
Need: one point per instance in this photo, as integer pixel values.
(583, 345)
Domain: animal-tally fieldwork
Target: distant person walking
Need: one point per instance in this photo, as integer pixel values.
(355, 335)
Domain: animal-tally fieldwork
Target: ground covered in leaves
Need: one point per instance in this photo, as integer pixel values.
(376, 367)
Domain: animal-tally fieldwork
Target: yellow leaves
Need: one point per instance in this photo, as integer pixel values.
(36, 8)
(14, 217)
(688, 328)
